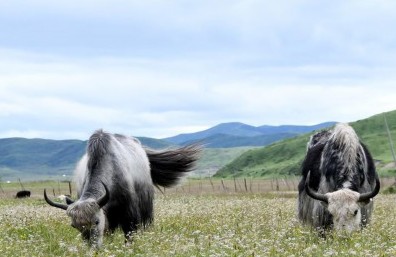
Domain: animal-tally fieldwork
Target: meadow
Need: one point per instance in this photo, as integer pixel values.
(200, 218)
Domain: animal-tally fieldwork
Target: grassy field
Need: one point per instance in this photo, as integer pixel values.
(197, 219)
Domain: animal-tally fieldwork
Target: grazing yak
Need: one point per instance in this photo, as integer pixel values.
(115, 182)
(338, 181)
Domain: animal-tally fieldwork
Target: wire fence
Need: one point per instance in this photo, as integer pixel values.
(188, 186)
(246, 185)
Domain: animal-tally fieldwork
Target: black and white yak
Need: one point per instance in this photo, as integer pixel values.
(115, 182)
(339, 181)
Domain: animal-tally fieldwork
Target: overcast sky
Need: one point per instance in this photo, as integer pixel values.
(161, 68)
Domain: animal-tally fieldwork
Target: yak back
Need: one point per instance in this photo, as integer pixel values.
(121, 163)
(340, 157)
(344, 163)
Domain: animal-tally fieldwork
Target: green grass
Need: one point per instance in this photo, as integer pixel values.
(197, 224)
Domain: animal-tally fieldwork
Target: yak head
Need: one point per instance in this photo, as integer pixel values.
(344, 205)
(87, 216)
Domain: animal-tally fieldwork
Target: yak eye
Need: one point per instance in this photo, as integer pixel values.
(355, 212)
(96, 222)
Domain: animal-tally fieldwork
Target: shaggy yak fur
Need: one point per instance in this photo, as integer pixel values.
(115, 182)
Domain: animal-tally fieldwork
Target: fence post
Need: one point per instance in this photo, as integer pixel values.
(210, 180)
(224, 187)
(70, 188)
(23, 188)
(246, 188)
(292, 181)
(286, 183)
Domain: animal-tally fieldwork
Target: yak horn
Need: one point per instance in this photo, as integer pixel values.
(312, 193)
(58, 205)
(367, 196)
(104, 198)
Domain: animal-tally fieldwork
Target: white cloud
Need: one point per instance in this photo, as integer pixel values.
(161, 68)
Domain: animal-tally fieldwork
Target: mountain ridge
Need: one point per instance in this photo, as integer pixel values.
(239, 129)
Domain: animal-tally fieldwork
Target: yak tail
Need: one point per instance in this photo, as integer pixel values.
(169, 166)
(97, 147)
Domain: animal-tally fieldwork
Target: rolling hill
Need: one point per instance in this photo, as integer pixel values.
(236, 134)
(229, 141)
(285, 157)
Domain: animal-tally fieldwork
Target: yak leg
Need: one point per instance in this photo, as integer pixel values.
(129, 229)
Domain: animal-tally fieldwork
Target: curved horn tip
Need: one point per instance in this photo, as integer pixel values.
(369, 195)
(50, 202)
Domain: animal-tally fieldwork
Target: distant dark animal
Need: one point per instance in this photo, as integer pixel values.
(115, 182)
(23, 194)
(339, 181)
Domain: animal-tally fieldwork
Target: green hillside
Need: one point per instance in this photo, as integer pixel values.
(212, 159)
(285, 157)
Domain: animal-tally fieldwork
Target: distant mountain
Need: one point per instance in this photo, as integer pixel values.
(227, 141)
(25, 153)
(232, 128)
(293, 128)
(154, 143)
(239, 134)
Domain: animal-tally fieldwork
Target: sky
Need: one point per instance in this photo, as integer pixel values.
(161, 68)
